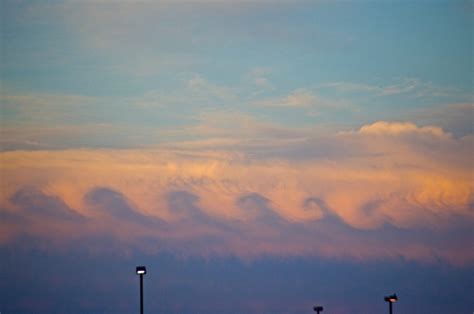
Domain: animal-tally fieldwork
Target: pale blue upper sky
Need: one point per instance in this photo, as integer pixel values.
(149, 66)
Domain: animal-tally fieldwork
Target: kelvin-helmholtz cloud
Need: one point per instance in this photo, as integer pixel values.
(384, 190)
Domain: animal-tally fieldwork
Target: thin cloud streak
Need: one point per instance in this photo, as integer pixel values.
(408, 86)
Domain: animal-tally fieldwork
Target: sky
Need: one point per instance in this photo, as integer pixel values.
(257, 156)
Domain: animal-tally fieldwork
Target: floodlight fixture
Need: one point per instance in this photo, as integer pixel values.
(391, 299)
(141, 270)
(318, 309)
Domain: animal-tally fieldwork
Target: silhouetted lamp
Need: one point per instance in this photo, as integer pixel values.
(391, 299)
(141, 270)
(318, 309)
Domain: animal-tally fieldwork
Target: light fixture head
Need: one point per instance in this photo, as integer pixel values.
(141, 270)
(391, 298)
(318, 308)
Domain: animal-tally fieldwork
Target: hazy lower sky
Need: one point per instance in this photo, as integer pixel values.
(257, 156)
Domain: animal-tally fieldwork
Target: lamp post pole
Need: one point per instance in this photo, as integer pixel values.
(141, 270)
(141, 294)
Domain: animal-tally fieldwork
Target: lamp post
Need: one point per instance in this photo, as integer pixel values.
(141, 270)
(391, 299)
(318, 309)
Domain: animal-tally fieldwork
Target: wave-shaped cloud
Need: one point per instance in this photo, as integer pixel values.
(388, 189)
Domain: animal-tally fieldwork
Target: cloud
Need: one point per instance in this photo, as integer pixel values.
(317, 207)
(348, 190)
(27, 109)
(185, 206)
(258, 76)
(33, 212)
(258, 208)
(401, 128)
(401, 86)
(298, 98)
(202, 88)
(306, 101)
(111, 31)
(35, 203)
(115, 204)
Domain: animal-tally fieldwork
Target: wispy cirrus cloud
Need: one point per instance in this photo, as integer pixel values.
(307, 100)
(200, 87)
(402, 86)
(298, 98)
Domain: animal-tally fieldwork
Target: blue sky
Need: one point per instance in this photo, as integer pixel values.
(244, 150)
(380, 60)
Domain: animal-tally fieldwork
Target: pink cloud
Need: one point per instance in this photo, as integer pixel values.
(354, 196)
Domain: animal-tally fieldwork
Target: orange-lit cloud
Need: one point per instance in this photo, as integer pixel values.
(388, 189)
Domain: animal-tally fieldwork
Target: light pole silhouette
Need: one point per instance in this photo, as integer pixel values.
(391, 299)
(141, 270)
(318, 309)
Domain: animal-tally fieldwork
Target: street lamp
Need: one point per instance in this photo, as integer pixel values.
(141, 270)
(318, 309)
(391, 299)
